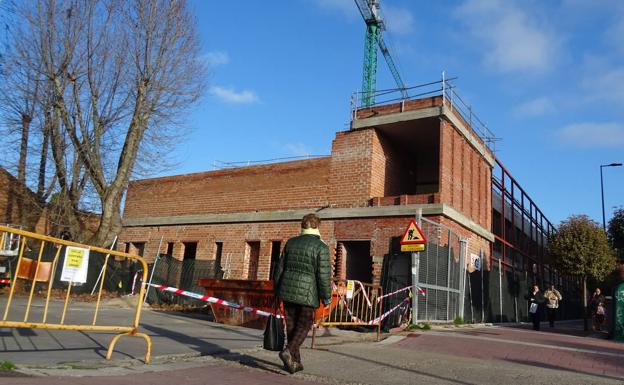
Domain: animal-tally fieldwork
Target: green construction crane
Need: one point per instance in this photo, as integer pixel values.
(374, 27)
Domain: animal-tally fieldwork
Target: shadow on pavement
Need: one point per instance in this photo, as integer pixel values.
(31, 334)
(541, 364)
(206, 348)
(394, 367)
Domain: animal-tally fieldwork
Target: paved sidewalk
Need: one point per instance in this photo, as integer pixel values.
(206, 374)
(527, 347)
(189, 350)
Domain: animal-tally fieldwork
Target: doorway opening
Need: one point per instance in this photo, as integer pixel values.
(356, 260)
(253, 253)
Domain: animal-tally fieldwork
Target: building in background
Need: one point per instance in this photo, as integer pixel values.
(397, 159)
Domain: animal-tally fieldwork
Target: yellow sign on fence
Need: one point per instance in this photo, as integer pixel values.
(76, 265)
(44, 253)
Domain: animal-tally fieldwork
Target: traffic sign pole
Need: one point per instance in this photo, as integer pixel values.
(415, 267)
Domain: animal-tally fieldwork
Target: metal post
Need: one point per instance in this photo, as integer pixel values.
(443, 88)
(153, 268)
(103, 268)
(500, 288)
(471, 304)
(482, 288)
(604, 226)
(515, 304)
(448, 275)
(462, 276)
(415, 268)
(604, 221)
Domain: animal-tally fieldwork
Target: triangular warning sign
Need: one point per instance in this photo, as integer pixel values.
(413, 235)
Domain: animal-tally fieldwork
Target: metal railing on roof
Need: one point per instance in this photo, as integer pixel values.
(443, 87)
(220, 164)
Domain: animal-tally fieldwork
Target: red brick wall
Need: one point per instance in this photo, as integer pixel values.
(9, 212)
(28, 213)
(351, 168)
(379, 231)
(233, 236)
(280, 186)
(464, 177)
(391, 174)
(379, 166)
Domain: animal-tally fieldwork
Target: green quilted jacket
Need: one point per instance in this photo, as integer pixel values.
(302, 274)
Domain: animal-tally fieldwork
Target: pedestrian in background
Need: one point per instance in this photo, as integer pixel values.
(597, 308)
(552, 297)
(301, 278)
(536, 300)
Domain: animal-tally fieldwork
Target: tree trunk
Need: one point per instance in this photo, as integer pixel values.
(21, 170)
(110, 221)
(41, 177)
(21, 166)
(585, 326)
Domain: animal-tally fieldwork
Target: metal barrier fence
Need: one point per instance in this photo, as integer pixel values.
(62, 271)
(498, 295)
(440, 272)
(353, 304)
(168, 271)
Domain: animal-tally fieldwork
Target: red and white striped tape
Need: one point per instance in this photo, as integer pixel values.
(377, 320)
(217, 301)
(421, 291)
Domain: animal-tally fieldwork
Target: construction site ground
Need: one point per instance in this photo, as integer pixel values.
(188, 349)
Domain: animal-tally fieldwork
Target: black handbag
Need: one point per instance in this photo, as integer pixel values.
(274, 332)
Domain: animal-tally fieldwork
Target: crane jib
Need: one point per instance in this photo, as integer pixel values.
(373, 39)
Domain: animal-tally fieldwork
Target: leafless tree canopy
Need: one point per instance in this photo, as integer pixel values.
(90, 88)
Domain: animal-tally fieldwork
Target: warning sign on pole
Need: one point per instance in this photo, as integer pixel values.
(75, 265)
(350, 287)
(413, 238)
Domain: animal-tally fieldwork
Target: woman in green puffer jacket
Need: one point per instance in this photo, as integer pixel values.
(301, 279)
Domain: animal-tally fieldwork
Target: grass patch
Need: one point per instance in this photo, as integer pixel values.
(459, 321)
(420, 326)
(7, 365)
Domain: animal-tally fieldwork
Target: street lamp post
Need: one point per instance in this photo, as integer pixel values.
(604, 223)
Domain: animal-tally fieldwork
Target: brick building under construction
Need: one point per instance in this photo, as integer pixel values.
(396, 160)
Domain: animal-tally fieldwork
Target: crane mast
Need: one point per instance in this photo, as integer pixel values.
(369, 9)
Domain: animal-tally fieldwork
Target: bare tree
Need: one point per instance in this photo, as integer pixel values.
(115, 75)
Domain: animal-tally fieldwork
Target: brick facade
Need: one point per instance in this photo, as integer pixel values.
(298, 184)
(369, 167)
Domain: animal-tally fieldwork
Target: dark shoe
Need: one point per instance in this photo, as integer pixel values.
(289, 363)
(298, 367)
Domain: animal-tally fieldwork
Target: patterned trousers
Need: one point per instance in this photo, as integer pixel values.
(299, 320)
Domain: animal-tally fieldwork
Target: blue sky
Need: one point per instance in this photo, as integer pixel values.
(546, 76)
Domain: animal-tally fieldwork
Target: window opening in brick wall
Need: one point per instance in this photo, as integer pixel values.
(275, 255)
(218, 255)
(190, 250)
(253, 255)
(358, 260)
(169, 249)
(137, 248)
(187, 278)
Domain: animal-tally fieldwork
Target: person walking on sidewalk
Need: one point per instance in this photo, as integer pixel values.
(301, 278)
(597, 309)
(536, 300)
(552, 297)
